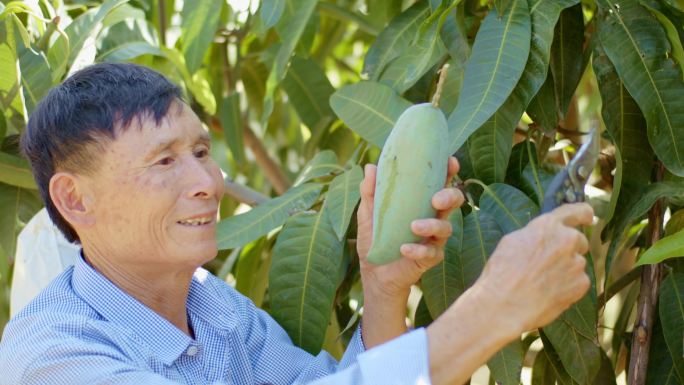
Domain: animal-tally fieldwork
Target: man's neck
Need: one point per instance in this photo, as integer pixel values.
(165, 292)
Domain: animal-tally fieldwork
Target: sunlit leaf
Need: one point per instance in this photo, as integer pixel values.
(309, 89)
(271, 11)
(369, 108)
(394, 39)
(16, 171)
(488, 81)
(241, 229)
(342, 198)
(323, 163)
(199, 20)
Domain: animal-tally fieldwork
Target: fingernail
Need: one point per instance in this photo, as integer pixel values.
(406, 249)
(366, 168)
(419, 226)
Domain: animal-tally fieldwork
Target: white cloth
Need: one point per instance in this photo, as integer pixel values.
(42, 253)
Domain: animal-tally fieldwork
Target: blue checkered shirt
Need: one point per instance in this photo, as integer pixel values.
(82, 329)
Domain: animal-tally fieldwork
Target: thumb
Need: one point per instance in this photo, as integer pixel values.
(367, 187)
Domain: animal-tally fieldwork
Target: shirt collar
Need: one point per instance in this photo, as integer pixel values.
(117, 306)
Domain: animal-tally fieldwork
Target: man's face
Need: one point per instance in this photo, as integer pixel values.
(156, 195)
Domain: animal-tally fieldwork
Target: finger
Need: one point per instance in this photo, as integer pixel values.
(446, 200)
(452, 169)
(581, 242)
(431, 227)
(367, 187)
(574, 214)
(417, 251)
(579, 263)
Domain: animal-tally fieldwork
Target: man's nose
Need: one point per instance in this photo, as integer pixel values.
(201, 179)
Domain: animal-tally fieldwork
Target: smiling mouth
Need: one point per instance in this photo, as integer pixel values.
(196, 221)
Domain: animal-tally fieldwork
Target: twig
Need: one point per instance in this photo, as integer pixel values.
(243, 194)
(440, 83)
(162, 21)
(271, 170)
(648, 297)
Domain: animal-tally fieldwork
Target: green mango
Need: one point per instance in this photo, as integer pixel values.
(412, 168)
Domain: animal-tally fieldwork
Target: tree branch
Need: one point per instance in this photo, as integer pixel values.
(243, 194)
(648, 297)
(271, 169)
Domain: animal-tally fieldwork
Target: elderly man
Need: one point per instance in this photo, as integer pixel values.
(123, 166)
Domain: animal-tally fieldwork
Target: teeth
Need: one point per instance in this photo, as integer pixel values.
(196, 221)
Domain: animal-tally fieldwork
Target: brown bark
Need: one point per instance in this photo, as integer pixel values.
(270, 168)
(648, 298)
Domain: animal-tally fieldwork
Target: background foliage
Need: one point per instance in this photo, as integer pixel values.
(299, 94)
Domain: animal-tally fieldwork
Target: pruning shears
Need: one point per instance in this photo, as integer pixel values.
(568, 185)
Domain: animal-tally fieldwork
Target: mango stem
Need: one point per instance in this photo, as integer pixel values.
(440, 83)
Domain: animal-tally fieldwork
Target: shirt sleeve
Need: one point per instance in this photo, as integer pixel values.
(273, 355)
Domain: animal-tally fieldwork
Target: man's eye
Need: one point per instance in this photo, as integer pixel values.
(165, 161)
(203, 153)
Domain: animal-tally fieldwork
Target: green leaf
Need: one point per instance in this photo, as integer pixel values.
(661, 370)
(510, 207)
(63, 53)
(543, 107)
(323, 163)
(671, 310)
(606, 374)
(637, 45)
(422, 318)
(574, 337)
(394, 39)
(481, 234)
(674, 34)
(342, 198)
(544, 15)
(309, 89)
(10, 73)
(627, 128)
(241, 229)
(16, 171)
(201, 91)
(566, 55)
(537, 180)
(199, 20)
(675, 223)
(490, 146)
(519, 159)
(422, 54)
(441, 285)
(270, 12)
(290, 29)
(668, 247)
(455, 38)
(251, 272)
(562, 377)
(636, 208)
(488, 81)
(231, 121)
(506, 364)
(369, 108)
(306, 254)
(128, 51)
(543, 372)
(17, 206)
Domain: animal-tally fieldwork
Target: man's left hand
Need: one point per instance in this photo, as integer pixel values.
(394, 280)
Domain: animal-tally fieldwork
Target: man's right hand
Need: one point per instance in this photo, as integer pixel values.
(533, 275)
(538, 272)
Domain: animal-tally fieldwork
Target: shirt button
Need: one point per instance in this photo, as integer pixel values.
(192, 350)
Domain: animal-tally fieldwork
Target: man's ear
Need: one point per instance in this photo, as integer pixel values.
(71, 195)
